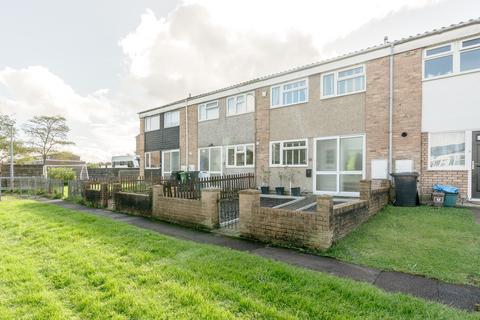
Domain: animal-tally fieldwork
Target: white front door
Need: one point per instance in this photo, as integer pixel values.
(339, 165)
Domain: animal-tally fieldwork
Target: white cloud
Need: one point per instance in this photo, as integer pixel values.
(98, 126)
(201, 45)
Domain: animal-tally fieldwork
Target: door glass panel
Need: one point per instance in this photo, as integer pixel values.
(231, 157)
(327, 155)
(204, 160)
(175, 161)
(166, 162)
(351, 154)
(249, 155)
(327, 182)
(215, 159)
(350, 182)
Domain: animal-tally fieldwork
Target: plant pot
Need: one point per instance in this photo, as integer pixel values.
(265, 190)
(280, 190)
(295, 191)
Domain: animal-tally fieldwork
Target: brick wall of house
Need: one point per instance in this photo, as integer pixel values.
(201, 213)
(262, 132)
(193, 136)
(407, 109)
(457, 178)
(377, 103)
(182, 138)
(141, 147)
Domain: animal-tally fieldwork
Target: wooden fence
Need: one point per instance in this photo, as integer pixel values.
(192, 189)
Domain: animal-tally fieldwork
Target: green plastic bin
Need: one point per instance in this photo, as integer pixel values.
(450, 199)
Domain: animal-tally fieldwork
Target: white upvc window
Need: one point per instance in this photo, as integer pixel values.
(438, 61)
(446, 151)
(152, 123)
(170, 161)
(339, 164)
(451, 58)
(293, 153)
(289, 93)
(210, 160)
(343, 82)
(171, 119)
(242, 103)
(208, 111)
(242, 155)
(470, 55)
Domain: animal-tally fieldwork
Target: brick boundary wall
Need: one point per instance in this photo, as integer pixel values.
(315, 230)
(133, 203)
(98, 198)
(201, 213)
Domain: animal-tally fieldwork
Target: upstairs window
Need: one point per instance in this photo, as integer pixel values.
(438, 61)
(208, 111)
(343, 82)
(470, 55)
(152, 123)
(288, 153)
(171, 119)
(289, 93)
(242, 103)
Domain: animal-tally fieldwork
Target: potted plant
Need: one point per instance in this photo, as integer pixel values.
(294, 191)
(265, 180)
(280, 190)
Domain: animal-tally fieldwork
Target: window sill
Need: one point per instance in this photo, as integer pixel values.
(200, 121)
(450, 75)
(288, 105)
(288, 165)
(342, 95)
(448, 169)
(240, 167)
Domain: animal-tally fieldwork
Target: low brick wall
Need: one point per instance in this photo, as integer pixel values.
(98, 198)
(133, 203)
(201, 213)
(316, 230)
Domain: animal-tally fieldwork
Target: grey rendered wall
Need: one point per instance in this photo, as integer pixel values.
(317, 118)
(225, 130)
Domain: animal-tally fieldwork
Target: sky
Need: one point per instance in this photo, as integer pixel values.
(99, 63)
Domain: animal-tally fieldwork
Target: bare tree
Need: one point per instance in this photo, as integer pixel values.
(7, 129)
(46, 134)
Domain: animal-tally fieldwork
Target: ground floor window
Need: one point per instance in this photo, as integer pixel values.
(171, 161)
(242, 155)
(288, 153)
(210, 159)
(339, 164)
(446, 151)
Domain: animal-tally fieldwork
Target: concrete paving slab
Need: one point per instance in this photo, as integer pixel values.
(319, 263)
(459, 296)
(406, 283)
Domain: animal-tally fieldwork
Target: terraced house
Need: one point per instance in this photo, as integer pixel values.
(407, 105)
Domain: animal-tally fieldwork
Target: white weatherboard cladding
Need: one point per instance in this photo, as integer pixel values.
(451, 103)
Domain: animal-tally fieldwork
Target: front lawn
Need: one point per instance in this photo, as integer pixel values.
(440, 243)
(61, 264)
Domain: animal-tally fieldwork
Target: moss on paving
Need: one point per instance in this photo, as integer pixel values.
(61, 264)
(442, 243)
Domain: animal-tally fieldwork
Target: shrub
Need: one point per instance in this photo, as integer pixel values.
(64, 174)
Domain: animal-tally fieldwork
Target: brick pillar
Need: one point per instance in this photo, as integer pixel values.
(104, 195)
(325, 231)
(249, 200)
(365, 189)
(116, 188)
(210, 207)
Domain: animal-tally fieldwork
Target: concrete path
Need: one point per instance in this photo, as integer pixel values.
(459, 296)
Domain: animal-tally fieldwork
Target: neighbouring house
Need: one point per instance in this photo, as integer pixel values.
(407, 105)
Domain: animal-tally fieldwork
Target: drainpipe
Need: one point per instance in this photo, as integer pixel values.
(186, 130)
(390, 116)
